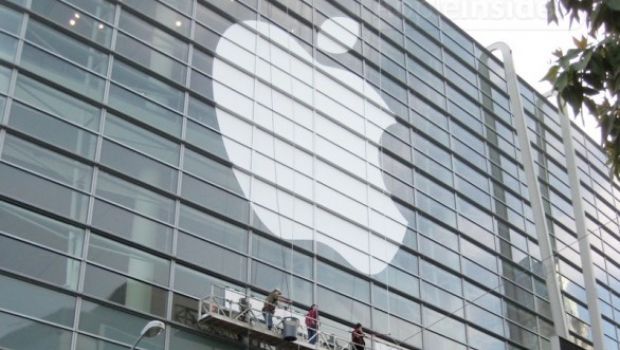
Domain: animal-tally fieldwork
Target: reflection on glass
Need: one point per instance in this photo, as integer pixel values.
(73, 20)
(52, 130)
(135, 197)
(197, 284)
(138, 166)
(214, 198)
(39, 335)
(28, 189)
(36, 301)
(131, 226)
(156, 61)
(38, 263)
(8, 47)
(151, 35)
(10, 20)
(58, 103)
(46, 162)
(62, 72)
(116, 325)
(43, 230)
(131, 261)
(211, 257)
(125, 291)
(162, 14)
(67, 47)
(89, 343)
(180, 339)
(140, 108)
(346, 308)
(212, 228)
(147, 85)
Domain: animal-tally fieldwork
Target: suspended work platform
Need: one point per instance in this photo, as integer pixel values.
(239, 313)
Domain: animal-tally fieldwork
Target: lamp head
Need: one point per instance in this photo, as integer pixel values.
(153, 329)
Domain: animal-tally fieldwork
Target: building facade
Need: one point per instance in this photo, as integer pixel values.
(367, 156)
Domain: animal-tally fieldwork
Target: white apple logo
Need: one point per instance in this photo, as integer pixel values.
(268, 58)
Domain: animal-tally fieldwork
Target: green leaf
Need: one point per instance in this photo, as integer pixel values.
(552, 16)
(613, 4)
(581, 43)
(589, 91)
(561, 82)
(552, 74)
(570, 54)
(583, 62)
(574, 97)
(590, 105)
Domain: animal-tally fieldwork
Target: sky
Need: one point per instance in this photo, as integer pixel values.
(522, 24)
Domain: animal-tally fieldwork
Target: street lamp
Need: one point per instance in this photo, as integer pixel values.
(152, 329)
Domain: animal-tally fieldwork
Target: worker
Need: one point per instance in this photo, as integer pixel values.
(269, 307)
(357, 337)
(312, 323)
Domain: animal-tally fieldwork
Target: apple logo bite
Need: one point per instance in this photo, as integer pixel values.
(336, 159)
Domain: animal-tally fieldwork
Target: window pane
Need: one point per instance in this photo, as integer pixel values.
(71, 49)
(62, 72)
(10, 20)
(144, 110)
(211, 171)
(346, 308)
(212, 257)
(131, 226)
(153, 36)
(46, 162)
(141, 139)
(5, 76)
(135, 197)
(41, 229)
(57, 103)
(190, 341)
(215, 199)
(81, 24)
(36, 301)
(131, 261)
(138, 166)
(162, 14)
(51, 130)
(282, 256)
(35, 262)
(343, 282)
(99, 8)
(28, 189)
(125, 291)
(210, 141)
(90, 343)
(214, 229)
(117, 325)
(8, 47)
(39, 336)
(202, 112)
(149, 58)
(268, 278)
(440, 277)
(197, 284)
(147, 85)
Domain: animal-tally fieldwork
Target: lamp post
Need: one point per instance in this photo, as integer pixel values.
(152, 329)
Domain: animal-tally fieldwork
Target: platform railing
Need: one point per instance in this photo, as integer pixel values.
(238, 306)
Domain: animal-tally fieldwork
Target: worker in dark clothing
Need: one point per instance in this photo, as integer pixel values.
(269, 307)
(357, 337)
